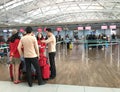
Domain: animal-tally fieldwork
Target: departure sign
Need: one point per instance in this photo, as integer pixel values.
(104, 27)
(59, 29)
(45, 29)
(5, 31)
(10, 30)
(88, 28)
(80, 28)
(39, 29)
(21, 30)
(112, 26)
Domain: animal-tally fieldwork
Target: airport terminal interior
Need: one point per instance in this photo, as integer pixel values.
(87, 34)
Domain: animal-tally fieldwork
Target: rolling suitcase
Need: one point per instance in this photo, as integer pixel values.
(42, 61)
(45, 68)
(46, 71)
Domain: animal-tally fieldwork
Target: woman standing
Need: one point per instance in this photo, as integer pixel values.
(45, 68)
(41, 45)
(14, 55)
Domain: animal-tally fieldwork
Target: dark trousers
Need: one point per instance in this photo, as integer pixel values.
(52, 64)
(34, 62)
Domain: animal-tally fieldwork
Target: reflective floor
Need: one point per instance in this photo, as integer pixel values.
(83, 67)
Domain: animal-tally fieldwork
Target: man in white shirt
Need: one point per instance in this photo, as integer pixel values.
(51, 50)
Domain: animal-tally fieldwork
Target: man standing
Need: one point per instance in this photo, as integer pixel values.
(31, 55)
(51, 50)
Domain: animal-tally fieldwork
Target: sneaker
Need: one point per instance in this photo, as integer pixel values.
(42, 83)
(52, 77)
(30, 84)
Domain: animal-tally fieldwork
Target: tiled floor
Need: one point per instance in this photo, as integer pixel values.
(6, 86)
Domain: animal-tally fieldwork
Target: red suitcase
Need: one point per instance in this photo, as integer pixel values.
(46, 71)
(42, 61)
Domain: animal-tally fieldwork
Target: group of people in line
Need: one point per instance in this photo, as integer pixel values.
(100, 37)
(28, 47)
(95, 40)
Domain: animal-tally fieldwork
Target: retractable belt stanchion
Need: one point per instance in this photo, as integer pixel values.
(66, 48)
(118, 54)
(105, 52)
(111, 54)
(86, 51)
(86, 54)
(83, 51)
(97, 54)
(59, 48)
(59, 51)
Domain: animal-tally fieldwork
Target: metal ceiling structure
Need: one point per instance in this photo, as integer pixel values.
(24, 12)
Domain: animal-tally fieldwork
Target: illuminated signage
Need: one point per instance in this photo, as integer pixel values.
(80, 28)
(112, 26)
(88, 28)
(39, 29)
(104, 27)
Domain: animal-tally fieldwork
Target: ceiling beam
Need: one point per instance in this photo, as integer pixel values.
(67, 23)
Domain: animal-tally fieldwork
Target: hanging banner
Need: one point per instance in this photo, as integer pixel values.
(104, 27)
